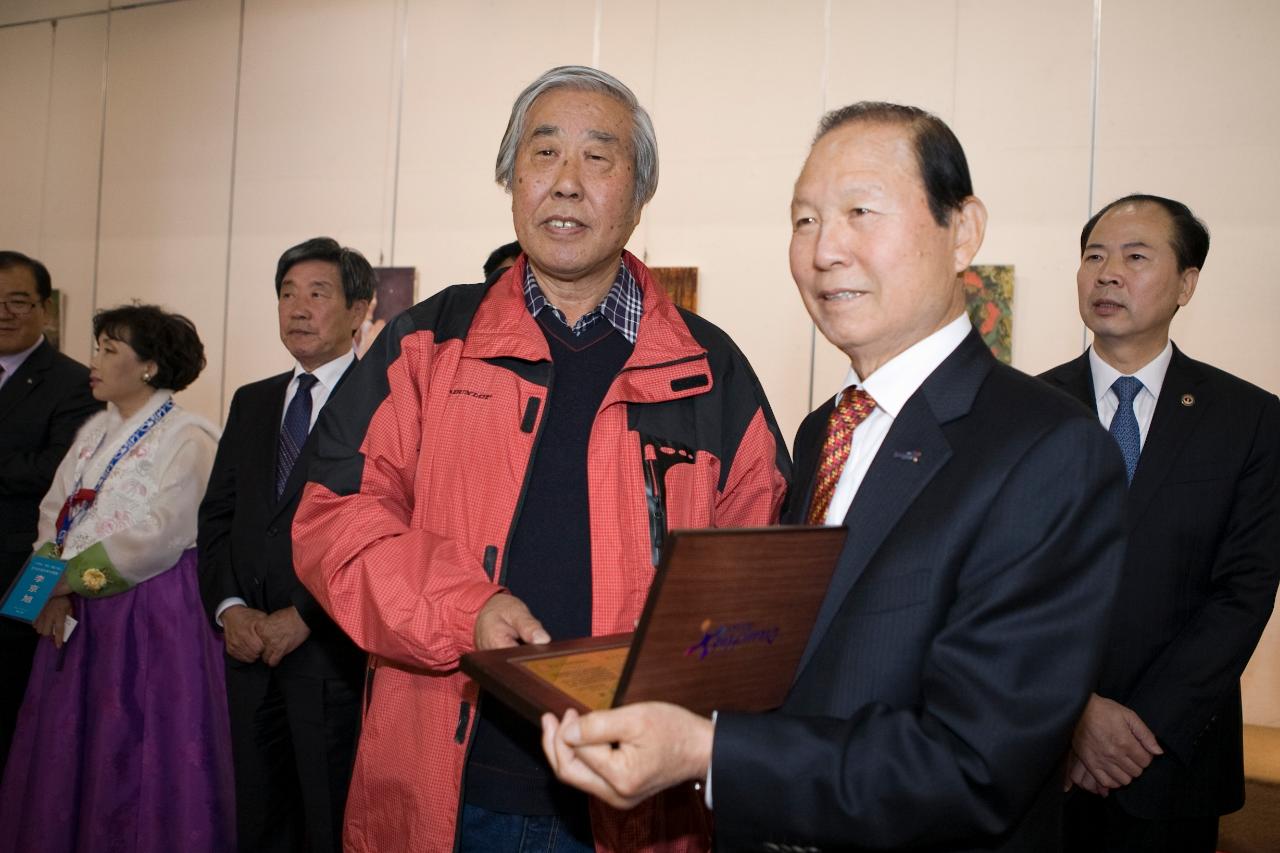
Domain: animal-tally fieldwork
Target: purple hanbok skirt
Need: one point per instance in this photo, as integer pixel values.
(123, 741)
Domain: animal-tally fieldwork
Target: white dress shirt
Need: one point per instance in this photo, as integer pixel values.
(327, 376)
(1144, 405)
(890, 386)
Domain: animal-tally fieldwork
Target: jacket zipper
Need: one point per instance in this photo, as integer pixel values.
(500, 579)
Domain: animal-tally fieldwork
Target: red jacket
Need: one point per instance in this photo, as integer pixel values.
(420, 465)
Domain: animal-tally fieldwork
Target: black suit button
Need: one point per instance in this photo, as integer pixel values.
(273, 531)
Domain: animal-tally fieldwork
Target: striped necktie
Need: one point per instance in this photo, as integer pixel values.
(293, 432)
(852, 409)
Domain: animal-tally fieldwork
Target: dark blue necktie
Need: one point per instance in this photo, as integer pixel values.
(293, 432)
(1124, 426)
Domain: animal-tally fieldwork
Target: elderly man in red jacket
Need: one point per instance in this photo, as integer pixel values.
(502, 468)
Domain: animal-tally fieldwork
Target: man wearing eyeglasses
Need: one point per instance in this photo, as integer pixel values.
(44, 397)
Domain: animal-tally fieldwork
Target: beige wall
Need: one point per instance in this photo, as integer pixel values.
(171, 151)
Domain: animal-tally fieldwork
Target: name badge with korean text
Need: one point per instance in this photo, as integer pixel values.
(27, 596)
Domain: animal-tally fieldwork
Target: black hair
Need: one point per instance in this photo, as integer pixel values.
(943, 167)
(500, 254)
(44, 285)
(170, 340)
(1190, 237)
(358, 277)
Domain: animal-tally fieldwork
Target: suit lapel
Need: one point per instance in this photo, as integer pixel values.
(913, 452)
(25, 379)
(808, 450)
(1076, 378)
(1171, 426)
(268, 444)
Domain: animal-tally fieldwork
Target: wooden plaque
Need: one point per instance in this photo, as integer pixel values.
(725, 624)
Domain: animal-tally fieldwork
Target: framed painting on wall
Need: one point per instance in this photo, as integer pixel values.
(681, 284)
(988, 292)
(53, 320)
(393, 295)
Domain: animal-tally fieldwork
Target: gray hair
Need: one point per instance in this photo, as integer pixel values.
(644, 143)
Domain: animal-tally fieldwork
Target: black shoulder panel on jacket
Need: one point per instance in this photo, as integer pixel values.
(715, 422)
(338, 464)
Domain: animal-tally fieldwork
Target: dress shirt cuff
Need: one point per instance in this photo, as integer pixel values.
(227, 603)
(706, 791)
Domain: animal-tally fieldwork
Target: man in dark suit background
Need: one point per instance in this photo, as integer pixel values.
(1157, 754)
(293, 678)
(44, 398)
(962, 631)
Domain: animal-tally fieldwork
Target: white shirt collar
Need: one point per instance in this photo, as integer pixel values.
(901, 376)
(328, 373)
(1151, 375)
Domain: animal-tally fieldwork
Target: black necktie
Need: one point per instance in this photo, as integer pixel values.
(293, 432)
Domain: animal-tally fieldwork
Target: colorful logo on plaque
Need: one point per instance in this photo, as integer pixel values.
(725, 638)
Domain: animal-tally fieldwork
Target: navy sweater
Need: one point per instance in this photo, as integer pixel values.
(548, 567)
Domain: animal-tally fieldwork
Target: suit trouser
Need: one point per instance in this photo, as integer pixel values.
(1098, 825)
(293, 741)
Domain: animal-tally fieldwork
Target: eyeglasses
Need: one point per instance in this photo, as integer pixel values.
(18, 307)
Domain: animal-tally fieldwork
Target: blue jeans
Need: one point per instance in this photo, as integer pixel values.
(484, 831)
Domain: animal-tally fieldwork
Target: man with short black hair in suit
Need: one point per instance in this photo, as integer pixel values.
(501, 258)
(44, 398)
(293, 678)
(962, 629)
(1157, 754)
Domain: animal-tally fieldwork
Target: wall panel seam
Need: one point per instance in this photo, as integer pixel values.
(102, 166)
(1094, 82)
(48, 134)
(71, 15)
(399, 129)
(231, 215)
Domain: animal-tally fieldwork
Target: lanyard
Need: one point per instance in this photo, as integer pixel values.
(80, 500)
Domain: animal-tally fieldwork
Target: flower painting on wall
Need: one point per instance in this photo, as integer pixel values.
(988, 291)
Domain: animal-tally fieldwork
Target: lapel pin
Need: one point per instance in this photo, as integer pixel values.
(907, 455)
(1188, 399)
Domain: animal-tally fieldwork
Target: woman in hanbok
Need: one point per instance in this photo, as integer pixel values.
(123, 742)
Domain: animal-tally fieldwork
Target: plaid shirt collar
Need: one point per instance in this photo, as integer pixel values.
(622, 306)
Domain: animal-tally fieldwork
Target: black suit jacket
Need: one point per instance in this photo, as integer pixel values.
(245, 543)
(41, 407)
(959, 638)
(1199, 579)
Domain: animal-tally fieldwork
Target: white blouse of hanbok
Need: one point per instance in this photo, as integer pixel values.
(146, 515)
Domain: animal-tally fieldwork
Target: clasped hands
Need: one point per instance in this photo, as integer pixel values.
(251, 634)
(1111, 747)
(622, 756)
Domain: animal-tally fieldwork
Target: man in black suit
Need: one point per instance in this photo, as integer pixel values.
(962, 630)
(1157, 754)
(293, 678)
(44, 397)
